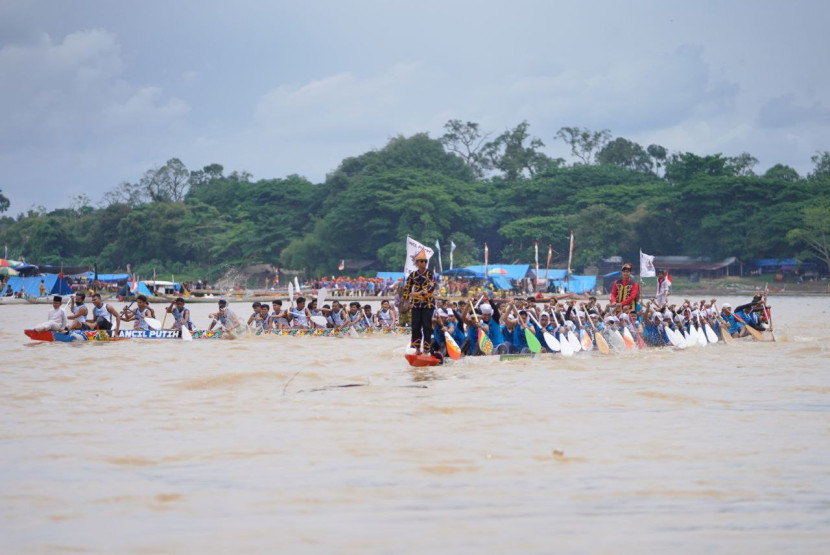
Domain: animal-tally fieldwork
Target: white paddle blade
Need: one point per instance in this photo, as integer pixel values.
(297, 285)
(567, 349)
(552, 342)
(153, 323)
(710, 333)
(186, 335)
(319, 320)
(321, 298)
(290, 293)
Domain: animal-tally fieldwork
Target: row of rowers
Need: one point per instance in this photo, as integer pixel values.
(505, 322)
(299, 315)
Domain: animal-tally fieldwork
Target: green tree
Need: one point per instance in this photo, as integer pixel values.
(467, 141)
(625, 154)
(584, 142)
(822, 165)
(658, 157)
(814, 232)
(782, 173)
(4, 202)
(515, 153)
(683, 166)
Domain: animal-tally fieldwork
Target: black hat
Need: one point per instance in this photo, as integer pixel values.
(57, 299)
(223, 302)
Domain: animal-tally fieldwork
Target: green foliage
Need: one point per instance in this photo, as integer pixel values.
(177, 220)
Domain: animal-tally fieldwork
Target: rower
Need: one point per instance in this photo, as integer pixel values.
(226, 318)
(77, 320)
(278, 318)
(103, 314)
(180, 314)
(386, 315)
(300, 315)
(138, 315)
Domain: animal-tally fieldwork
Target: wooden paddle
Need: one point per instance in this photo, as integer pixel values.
(755, 333)
(484, 343)
(452, 347)
(602, 344)
(585, 339)
(724, 327)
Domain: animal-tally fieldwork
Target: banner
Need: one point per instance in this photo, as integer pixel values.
(452, 250)
(536, 247)
(440, 265)
(486, 261)
(413, 247)
(547, 264)
(570, 255)
(647, 265)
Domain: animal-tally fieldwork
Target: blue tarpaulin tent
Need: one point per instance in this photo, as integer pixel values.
(554, 274)
(510, 271)
(31, 285)
(464, 273)
(499, 282)
(105, 278)
(574, 283)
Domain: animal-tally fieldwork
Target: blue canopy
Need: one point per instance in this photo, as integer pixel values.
(105, 278)
(576, 284)
(510, 271)
(464, 273)
(31, 285)
(554, 274)
(499, 282)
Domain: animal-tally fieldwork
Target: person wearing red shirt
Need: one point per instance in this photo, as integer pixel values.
(626, 291)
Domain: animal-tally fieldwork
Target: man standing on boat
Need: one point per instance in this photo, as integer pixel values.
(419, 294)
(626, 291)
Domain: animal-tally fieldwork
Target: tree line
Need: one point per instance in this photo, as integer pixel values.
(468, 187)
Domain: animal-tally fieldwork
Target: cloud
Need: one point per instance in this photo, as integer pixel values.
(54, 93)
(786, 111)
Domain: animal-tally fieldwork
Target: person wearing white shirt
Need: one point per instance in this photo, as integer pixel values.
(57, 317)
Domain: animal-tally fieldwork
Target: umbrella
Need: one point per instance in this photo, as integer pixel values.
(497, 271)
(7, 271)
(5, 263)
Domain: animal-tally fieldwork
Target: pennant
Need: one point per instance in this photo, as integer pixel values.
(452, 250)
(647, 265)
(486, 260)
(440, 265)
(536, 249)
(570, 253)
(413, 247)
(668, 278)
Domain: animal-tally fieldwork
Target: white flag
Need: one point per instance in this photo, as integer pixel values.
(413, 247)
(647, 265)
(440, 264)
(452, 250)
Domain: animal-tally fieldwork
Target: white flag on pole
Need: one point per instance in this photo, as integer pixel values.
(440, 265)
(452, 250)
(413, 247)
(647, 265)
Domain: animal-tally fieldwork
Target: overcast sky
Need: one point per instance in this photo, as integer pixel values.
(93, 93)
